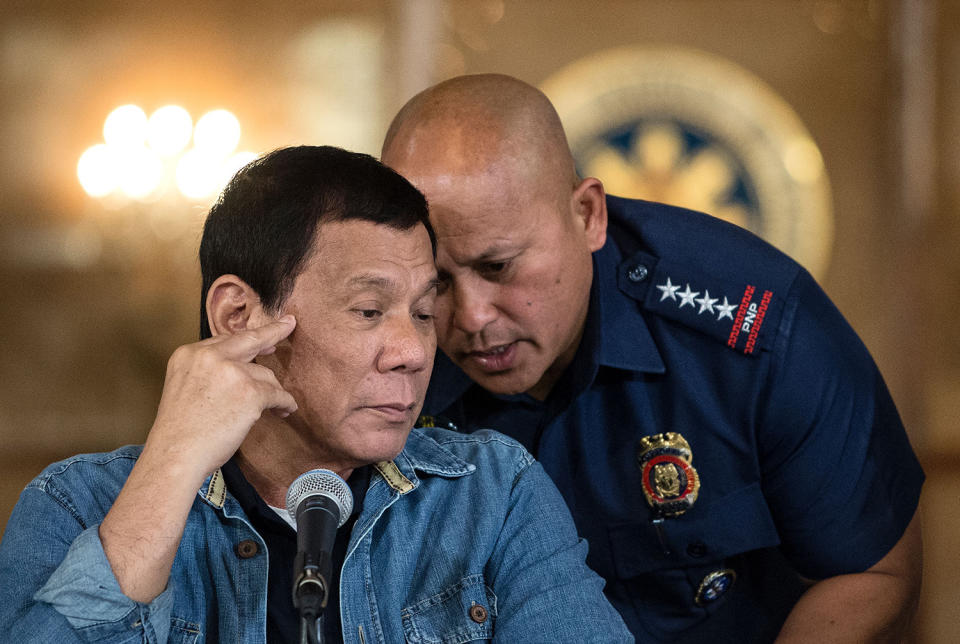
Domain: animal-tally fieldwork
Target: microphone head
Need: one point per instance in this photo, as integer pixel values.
(323, 483)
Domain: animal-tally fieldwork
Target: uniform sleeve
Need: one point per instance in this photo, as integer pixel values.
(838, 470)
(56, 584)
(539, 575)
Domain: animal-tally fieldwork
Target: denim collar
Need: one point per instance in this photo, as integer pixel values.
(421, 453)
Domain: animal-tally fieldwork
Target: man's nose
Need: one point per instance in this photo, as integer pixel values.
(473, 305)
(407, 346)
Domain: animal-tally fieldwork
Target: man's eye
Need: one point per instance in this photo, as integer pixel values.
(494, 268)
(424, 316)
(369, 314)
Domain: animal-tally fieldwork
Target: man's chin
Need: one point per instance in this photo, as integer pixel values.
(507, 383)
(383, 444)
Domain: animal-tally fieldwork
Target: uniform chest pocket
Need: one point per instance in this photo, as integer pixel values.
(672, 585)
(732, 524)
(464, 612)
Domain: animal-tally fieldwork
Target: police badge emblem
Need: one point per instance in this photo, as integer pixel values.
(670, 482)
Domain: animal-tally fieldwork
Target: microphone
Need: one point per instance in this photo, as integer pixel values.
(320, 502)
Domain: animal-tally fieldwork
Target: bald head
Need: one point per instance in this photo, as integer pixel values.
(478, 121)
(515, 227)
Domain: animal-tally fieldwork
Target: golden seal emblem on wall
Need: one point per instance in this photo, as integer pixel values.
(692, 129)
(670, 482)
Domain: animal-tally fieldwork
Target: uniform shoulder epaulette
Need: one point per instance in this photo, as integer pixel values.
(715, 278)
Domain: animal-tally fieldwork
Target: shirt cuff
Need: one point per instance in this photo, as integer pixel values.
(85, 591)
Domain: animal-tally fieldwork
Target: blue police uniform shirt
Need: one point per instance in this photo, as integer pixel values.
(698, 327)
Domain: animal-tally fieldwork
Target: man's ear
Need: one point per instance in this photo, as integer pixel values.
(589, 203)
(232, 306)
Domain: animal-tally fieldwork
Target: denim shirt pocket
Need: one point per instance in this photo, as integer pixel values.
(183, 632)
(464, 612)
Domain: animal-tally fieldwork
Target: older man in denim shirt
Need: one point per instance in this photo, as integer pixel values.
(318, 294)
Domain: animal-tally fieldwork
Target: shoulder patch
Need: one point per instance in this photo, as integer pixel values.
(741, 313)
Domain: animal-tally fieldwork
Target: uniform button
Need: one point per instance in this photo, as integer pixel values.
(247, 548)
(697, 549)
(638, 273)
(478, 613)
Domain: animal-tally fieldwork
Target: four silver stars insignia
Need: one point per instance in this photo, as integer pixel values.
(670, 291)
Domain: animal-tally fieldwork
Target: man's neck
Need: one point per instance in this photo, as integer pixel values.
(274, 454)
(554, 372)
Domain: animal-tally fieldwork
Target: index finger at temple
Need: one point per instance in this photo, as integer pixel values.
(249, 344)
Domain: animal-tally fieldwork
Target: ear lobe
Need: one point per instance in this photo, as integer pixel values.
(231, 303)
(590, 204)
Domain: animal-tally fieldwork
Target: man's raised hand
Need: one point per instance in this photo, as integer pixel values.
(213, 393)
(212, 396)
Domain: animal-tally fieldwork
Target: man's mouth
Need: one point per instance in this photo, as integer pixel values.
(492, 352)
(393, 411)
(493, 359)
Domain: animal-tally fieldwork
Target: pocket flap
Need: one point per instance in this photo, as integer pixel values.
(737, 522)
(463, 612)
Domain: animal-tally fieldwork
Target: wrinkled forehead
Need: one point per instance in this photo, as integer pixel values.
(346, 248)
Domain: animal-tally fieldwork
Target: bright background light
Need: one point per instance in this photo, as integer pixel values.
(97, 170)
(125, 127)
(140, 173)
(169, 130)
(197, 175)
(141, 156)
(217, 133)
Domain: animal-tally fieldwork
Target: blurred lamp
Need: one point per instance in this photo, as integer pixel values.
(197, 174)
(140, 155)
(217, 133)
(169, 130)
(97, 170)
(140, 172)
(125, 126)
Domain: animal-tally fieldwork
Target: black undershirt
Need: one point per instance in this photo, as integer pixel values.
(283, 623)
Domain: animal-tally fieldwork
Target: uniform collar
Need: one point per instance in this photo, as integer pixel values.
(624, 340)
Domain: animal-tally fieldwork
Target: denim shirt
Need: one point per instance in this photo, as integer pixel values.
(462, 538)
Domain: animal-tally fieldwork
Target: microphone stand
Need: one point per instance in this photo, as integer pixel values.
(310, 598)
(310, 631)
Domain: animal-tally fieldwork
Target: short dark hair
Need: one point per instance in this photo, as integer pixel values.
(263, 226)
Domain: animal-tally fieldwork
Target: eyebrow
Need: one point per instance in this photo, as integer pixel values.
(378, 282)
(489, 254)
(367, 280)
(496, 251)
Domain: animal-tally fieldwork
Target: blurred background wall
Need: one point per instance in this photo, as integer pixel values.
(96, 291)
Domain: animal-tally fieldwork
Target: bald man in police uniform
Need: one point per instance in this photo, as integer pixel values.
(721, 435)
